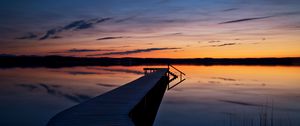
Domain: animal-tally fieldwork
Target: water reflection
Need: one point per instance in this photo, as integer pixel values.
(119, 70)
(210, 95)
(234, 96)
(106, 85)
(32, 96)
(55, 90)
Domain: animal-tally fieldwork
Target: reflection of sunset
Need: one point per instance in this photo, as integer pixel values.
(211, 91)
(208, 91)
(278, 76)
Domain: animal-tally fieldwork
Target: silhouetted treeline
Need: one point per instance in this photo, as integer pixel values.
(60, 61)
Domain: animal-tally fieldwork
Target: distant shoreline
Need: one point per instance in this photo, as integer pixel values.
(61, 61)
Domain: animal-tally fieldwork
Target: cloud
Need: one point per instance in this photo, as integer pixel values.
(78, 25)
(162, 35)
(245, 19)
(28, 36)
(153, 36)
(127, 18)
(226, 44)
(107, 38)
(74, 50)
(258, 18)
(287, 13)
(75, 26)
(133, 51)
(49, 33)
(87, 50)
(56, 37)
(230, 9)
(84, 24)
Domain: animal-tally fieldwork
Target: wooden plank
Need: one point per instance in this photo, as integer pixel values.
(111, 108)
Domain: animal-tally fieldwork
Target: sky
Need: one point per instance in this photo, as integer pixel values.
(151, 28)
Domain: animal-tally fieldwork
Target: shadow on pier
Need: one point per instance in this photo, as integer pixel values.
(145, 111)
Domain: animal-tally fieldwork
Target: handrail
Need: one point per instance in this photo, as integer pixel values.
(169, 88)
(172, 76)
(176, 69)
(181, 74)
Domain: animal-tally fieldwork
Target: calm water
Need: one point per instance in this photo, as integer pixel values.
(211, 95)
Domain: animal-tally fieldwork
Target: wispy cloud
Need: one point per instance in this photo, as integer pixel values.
(287, 13)
(264, 17)
(230, 9)
(150, 36)
(244, 20)
(76, 25)
(107, 38)
(225, 44)
(88, 50)
(28, 36)
(84, 24)
(127, 18)
(134, 51)
(50, 33)
(56, 37)
(74, 50)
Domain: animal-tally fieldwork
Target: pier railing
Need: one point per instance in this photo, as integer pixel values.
(181, 75)
(171, 74)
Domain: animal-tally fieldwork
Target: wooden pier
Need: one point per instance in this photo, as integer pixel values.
(135, 103)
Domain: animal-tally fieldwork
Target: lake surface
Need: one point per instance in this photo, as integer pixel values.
(210, 95)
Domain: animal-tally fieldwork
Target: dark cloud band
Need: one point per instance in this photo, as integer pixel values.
(134, 51)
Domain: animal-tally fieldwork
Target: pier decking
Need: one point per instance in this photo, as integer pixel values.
(135, 103)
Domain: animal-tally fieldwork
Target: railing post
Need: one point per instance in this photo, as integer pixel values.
(180, 76)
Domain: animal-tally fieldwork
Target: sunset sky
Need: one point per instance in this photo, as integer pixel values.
(151, 28)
